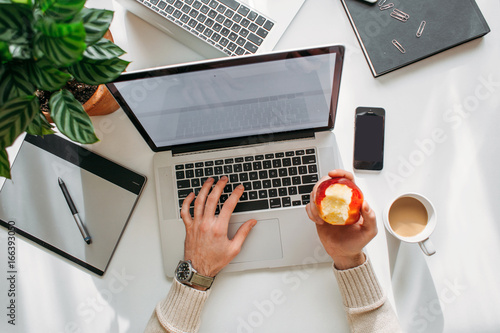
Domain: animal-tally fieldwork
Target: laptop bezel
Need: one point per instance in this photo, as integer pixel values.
(339, 50)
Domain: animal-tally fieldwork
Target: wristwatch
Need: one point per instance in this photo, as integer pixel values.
(185, 273)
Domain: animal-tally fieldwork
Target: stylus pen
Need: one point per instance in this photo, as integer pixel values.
(74, 212)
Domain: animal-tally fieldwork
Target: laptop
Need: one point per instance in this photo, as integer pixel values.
(217, 28)
(264, 121)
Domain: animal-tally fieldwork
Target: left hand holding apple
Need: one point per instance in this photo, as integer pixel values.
(344, 243)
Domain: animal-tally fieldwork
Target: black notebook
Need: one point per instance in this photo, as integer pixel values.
(387, 30)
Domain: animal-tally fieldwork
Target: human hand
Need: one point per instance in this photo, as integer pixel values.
(344, 243)
(207, 244)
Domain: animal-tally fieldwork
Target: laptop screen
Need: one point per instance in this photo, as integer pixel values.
(235, 98)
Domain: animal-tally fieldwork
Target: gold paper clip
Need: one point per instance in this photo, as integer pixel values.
(421, 28)
(400, 15)
(398, 46)
(389, 5)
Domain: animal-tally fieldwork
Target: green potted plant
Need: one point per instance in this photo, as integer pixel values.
(43, 45)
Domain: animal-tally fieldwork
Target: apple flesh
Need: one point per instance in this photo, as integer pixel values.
(339, 201)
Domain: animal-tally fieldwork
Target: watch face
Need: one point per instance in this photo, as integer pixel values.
(183, 272)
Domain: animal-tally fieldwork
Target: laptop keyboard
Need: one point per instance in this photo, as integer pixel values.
(228, 25)
(273, 180)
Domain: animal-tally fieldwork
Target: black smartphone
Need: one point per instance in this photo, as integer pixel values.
(369, 138)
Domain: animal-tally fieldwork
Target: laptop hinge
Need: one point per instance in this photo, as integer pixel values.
(239, 142)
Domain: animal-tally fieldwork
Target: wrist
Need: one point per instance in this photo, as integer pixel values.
(351, 261)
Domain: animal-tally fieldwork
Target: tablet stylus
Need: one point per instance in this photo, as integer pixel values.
(74, 212)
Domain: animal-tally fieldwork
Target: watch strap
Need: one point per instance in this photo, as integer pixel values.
(201, 280)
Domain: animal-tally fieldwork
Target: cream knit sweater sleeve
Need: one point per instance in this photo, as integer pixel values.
(365, 304)
(364, 300)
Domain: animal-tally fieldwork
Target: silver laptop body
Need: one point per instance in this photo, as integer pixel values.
(245, 117)
(217, 28)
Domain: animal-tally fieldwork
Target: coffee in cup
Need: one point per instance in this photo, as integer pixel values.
(411, 218)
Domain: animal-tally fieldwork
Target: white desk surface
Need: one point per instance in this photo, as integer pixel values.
(455, 94)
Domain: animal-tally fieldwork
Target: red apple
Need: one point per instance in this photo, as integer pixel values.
(339, 201)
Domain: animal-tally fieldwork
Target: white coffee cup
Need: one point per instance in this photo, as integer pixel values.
(408, 222)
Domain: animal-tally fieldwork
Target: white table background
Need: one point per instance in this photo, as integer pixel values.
(442, 134)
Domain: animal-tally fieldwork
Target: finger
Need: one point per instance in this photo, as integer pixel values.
(242, 234)
(231, 202)
(199, 204)
(185, 214)
(369, 217)
(313, 216)
(213, 198)
(341, 173)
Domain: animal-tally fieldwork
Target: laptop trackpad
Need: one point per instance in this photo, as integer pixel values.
(263, 242)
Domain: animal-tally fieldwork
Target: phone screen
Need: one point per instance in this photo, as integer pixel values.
(369, 138)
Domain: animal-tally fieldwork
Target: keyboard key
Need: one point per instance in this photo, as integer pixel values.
(312, 168)
(221, 9)
(238, 159)
(296, 180)
(224, 32)
(231, 4)
(233, 178)
(287, 162)
(162, 4)
(228, 169)
(229, 161)
(245, 22)
(292, 171)
(243, 177)
(213, 4)
(232, 36)
(306, 198)
(252, 195)
(189, 165)
(250, 47)
(286, 202)
(300, 152)
(218, 170)
(247, 166)
(273, 193)
(205, 9)
(273, 173)
(292, 190)
(302, 169)
(296, 203)
(240, 41)
(308, 159)
(228, 188)
(199, 172)
(266, 183)
(189, 173)
(305, 188)
(260, 20)
(220, 18)
(296, 160)
(179, 167)
(279, 155)
(229, 13)
(243, 10)
(275, 203)
(257, 165)
(253, 27)
(238, 168)
(289, 153)
(244, 196)
(252, 16)
(262, 33)
(257, 185)
(276, 182)
(282, 172)
(195, 182)
(236, 18)
(183, 193)
(247, 186)
(268, 25)
(197, 5)
(310, 151)
(287, 181)
(179, 174)
(198, 164)
(263, 194)
(282, 192)
(263, 174)
(253, 175)
(276, 163)
(181, 184)
(236, 28)
(251, 205)
(178, 4)
(267, 164)
(309, 179)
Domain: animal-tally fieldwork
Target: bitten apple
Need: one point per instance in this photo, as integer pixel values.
(339, 201)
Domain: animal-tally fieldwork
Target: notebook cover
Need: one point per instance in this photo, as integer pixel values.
(103, 192)
(448, 24)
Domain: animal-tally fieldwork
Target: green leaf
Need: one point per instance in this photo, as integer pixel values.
(15, 116)
(96, 23)
(4, 164)
(15, 83)
(70, 118)
(63, 44)
(46, 76)
(5, 54)
(103, 50)
(98, 72)
(14, 23)
(61, 10)
(40, 126)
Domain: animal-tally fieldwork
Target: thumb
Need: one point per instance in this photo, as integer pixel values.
(242, 233)
(369, 217)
